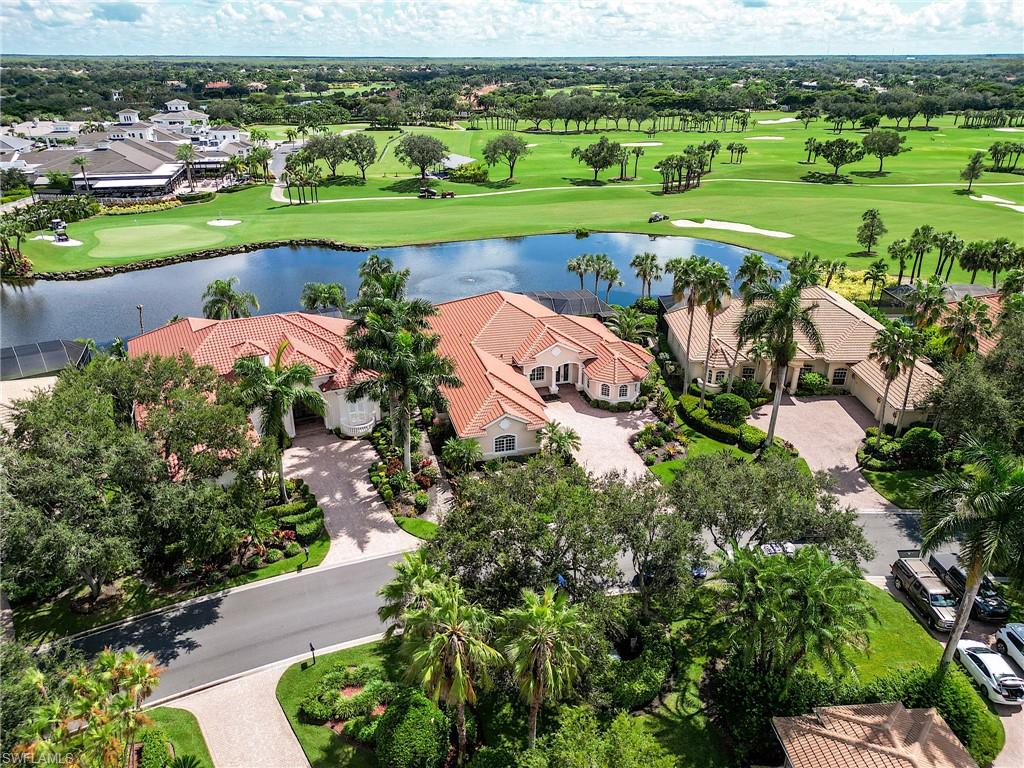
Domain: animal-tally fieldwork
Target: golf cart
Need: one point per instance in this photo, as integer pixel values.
(426, 193)
(656, 217)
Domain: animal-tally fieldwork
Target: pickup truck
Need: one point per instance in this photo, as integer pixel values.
(988, 605)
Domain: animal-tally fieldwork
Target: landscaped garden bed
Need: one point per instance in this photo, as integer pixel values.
(407, 494)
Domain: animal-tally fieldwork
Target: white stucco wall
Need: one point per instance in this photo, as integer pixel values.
(526, 440)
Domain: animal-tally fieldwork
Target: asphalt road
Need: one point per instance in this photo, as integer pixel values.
(228, 634)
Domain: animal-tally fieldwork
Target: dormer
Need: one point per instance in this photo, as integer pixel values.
(176, 105)
(128, 116)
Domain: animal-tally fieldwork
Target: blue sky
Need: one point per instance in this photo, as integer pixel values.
(511, 27)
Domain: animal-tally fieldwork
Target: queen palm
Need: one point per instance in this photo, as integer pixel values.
(81, 161)
(892, 349)
(272, 391)
(221, 301)
(714, 286)
(877, 273)
(965, 324)
(446, 642)
(558, 440)
(630, 324)
(645, 266)
(322, 296)
(612, 277)
(755, 269)
(186, 155)
(687, 275)
(772, 316)
(543, 645)
(982, 510)
(415, 577)
(925, 303)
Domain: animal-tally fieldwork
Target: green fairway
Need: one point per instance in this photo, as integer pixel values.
(553, 193)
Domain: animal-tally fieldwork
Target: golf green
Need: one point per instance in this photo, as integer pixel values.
(114, 240)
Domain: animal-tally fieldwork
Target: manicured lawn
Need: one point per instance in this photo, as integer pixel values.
(418, 527)
(897, 486)
(39, 623)
(553, 193)
(182, 730)
(699, 445)
(897, 640)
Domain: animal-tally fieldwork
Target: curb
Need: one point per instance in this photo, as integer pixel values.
(263, 668)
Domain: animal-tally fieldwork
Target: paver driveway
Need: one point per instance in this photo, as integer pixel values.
(604, 436)
(827, 432)
(359, 522)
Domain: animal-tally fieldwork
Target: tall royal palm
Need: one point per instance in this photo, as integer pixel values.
(773, 316)
(965, 323)
(272, 391)
(892, 349)
(81, 161)
(714, 286)
(222, 301)
(755, 269)
(186, 155)
(687, 275)
(645, 266)
(446, 642)
(983, 511)
(543, 644)
(925, 303)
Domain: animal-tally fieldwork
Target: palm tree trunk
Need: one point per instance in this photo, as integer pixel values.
(460, 727)
(780, 385)
(906, 396)
(406, 438)
(963, 613)
(393, 415)
(534, 711)
(686, 363)
(282, 489)
(881, 418)
(707, 358)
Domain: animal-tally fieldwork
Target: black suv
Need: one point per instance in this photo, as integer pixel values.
(926, 593)
(988, 605)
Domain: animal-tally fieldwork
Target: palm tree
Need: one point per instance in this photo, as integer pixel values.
(580, 266)
(322, 296)
(1013, 282)
(223, 302)
(834, 268)
(974, 257)
(876, 274)
(806, 269)
(600, 265)
(233, 166)
(290, 134)
(900, 251)
(983, 511)
(543, 639)
(645, 266)
(461, 454)
(773, 315)
(558, 440)
(415, 577)
(81, 161)
(687, 278)
(186, 154)
(261, 156)
(630, 324)
(925, 303)
(892, 350)
(272, 391)
(714, 286)
(965, 324)
(755, 269)
(446, 643)
(612, 277)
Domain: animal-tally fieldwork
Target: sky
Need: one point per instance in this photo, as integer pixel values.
(454, 28)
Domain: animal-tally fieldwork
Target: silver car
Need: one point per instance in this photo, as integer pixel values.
(991, 671)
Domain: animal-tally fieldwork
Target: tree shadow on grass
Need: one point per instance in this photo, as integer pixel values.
(870, 174)
(965, 192)
(502, 184)
(577, 181)
(408, 186)
(343, 181)
(817, 177)
(861, 254)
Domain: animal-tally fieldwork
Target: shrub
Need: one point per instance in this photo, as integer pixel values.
(281, 511)
(729, 409)
(126, 209)
(815, 384)
(421, 500)
(698, 419)
(195, 197)
(635, 683)
(362, 728)
(649, 306)
(582, 232)
(274, 555)
(750, 390)
(413, 733)
(309, 515)
(310, 531)
(494, 757)
(326, 702)
(253, 563)
(235, 569)
(155, 753)
(474, 173)
(751, 438)
(292, 549)
(921, 448)
(238, 187)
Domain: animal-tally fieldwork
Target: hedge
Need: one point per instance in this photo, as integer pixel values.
(281, 511)
(128, 210)
(155, 753)
(308, 532)
(326, 702)
(698, 419)
(195, 197)
(730, 409)
(751, 438)
(635, 683)
(413, 733)
(302, 517)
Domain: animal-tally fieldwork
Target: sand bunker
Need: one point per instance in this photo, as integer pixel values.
(1010, 130)
(777, 122)
(1012, 207)
(990, 199)
(642, 144)
(533, 145)
(223, 222)
(69, 243)
(731, 226)
(765, 138)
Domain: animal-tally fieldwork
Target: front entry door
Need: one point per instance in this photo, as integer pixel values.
(562, 374)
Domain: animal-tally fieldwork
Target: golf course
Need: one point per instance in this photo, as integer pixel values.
(774, 200)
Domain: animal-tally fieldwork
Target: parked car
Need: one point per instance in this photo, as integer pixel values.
(1010, 640)
(926, 593)
(988, 605)
(779, 548)
(991, 671)
(656, 217)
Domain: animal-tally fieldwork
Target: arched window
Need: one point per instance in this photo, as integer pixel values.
(504, 443)
(537, 374)
(606, 391)
(623, 391)
(719, 377)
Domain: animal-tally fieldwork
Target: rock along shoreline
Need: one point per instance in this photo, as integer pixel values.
(206, 253)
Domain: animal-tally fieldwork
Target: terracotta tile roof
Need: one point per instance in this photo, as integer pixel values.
(312, 339)
(871, 736)
(924, 381)
(995, 306)
(493, 335)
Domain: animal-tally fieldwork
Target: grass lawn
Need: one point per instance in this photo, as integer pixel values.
(553, 193)
(897, 486)
(897, 640)
(42, 622)
(418, 527)
(182, 730)
(699, 445)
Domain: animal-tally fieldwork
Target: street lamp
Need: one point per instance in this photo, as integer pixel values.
(142, 328)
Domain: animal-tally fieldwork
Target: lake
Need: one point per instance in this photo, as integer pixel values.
(106, 307)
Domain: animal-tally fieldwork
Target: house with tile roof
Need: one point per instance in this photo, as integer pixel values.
(886, 735)
(847, 334)
(510, 351)
(317, 340)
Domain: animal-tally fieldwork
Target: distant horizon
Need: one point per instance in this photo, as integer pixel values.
(514, 29)
(581, 58)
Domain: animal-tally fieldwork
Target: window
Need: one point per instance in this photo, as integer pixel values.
(504, 443)
(623, 391)
(839, 377)
(719, 377)
(359, 411)
(748, 372)
(537, 374)
(606, 391)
